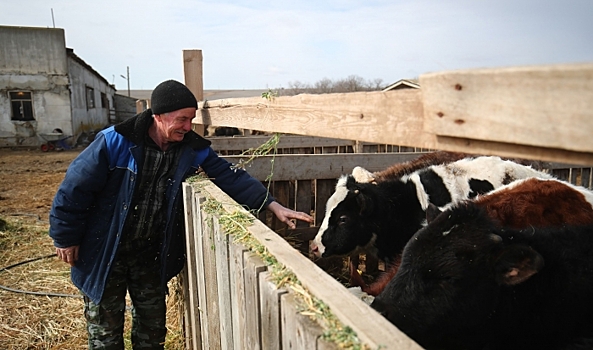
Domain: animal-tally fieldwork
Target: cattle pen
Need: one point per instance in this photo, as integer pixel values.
(249, 284)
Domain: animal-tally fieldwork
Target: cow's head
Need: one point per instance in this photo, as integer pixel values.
(450, 275)
(345, 225)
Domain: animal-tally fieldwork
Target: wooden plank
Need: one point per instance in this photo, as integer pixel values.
(586, 178)
(304, 199)
(547, 106)
(224, 288)
(288, 321)
(281, 193)
(237, 285)
(188, 324)
(189, 278)
(271, 335)
(389, 117)
(320, 166)
(301, 332)
(242, 143)
(253, 267)
(212, 299)
(199, 267)
(326, 345)
(192, 72)
(458, 144)
(397, 117)
(370, 327)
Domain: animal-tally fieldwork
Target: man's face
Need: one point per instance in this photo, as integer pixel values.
(174, 125)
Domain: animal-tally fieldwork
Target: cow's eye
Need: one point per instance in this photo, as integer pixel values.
(343, 219)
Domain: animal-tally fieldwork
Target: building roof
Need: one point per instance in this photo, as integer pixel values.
(403, 84)
(71, 54)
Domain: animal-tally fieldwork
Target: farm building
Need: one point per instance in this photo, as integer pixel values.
(46, 89)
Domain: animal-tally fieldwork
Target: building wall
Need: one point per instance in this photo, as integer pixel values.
(34, 60)
(125, 107)
(86, 119)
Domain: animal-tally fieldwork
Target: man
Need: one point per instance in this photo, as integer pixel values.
(117, 217)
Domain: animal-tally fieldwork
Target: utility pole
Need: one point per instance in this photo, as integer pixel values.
(127, 78)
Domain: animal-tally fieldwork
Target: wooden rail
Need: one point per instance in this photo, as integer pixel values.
(540, 112)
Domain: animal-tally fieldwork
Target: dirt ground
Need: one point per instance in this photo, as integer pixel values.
(29, 179)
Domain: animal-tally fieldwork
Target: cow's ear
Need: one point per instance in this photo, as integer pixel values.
(362, 175)
(432, 212)
(516, 264)
(364, 202)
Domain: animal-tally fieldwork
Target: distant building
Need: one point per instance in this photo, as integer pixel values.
(46, 89)
(403, 84)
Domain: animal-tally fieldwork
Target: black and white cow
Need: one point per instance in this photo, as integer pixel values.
(386, 214)
(465, 282)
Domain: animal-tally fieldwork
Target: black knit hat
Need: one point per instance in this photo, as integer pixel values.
(170, 96)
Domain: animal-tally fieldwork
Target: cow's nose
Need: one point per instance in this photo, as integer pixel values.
(314, 248)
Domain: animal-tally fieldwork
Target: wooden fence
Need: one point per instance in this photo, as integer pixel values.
(540, 113)
(232, 304)
(227, 283)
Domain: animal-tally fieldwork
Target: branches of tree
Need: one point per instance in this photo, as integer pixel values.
(325, 86)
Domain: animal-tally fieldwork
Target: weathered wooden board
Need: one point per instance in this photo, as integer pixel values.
(301, 332)
(271, 335)
(237, 285)
(319, 166)
(199, 265)
(371, 328)
(211, 283)
(193, 77)
(190, 281)
(221, 143)
(547, 106)
(392, 117)
(221, 252)
(253, 267)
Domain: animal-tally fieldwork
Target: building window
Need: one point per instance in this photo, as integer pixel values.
(90, 98)
(104, 101)
(22, 105)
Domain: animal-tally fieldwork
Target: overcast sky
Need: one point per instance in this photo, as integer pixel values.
(269, 44)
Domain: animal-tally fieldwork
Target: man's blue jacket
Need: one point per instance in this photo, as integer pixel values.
(93, 201)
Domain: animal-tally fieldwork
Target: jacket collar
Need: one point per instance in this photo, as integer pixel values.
(136, 128)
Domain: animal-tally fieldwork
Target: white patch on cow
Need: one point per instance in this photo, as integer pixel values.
(362, 175)
(420, 191)
(456, 175)
(333, 201)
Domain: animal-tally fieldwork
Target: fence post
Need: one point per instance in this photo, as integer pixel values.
(192, 70)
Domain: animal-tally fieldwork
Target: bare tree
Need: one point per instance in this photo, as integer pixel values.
(324, 86)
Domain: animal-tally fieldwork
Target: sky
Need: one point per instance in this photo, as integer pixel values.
(272, 44)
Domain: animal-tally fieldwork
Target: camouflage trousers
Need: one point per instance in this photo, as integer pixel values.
(138, 274)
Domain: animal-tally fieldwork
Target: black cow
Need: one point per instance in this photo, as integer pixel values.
(466, 283)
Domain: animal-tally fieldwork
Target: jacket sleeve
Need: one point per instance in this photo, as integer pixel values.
(86, 176)
(237, 183)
